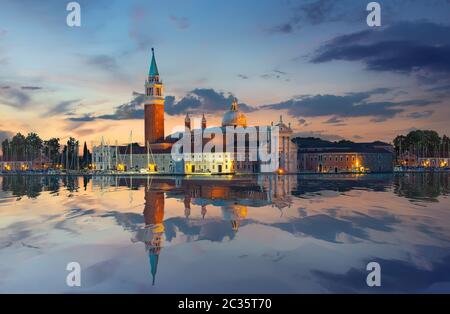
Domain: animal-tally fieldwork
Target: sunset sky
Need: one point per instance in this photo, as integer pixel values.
(316, 62)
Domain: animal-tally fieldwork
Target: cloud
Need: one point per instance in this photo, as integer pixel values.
(303, 122)
(31, 87)
(128, 111)
(318, 12)
(421, 115)
(275, 74)
(132, 110)
(62, 108)
(103, 62)
(334, 120)
(319, 134)
(199, 100)
(348, 105)
(242, 76)
(285, 28)
(181, 23)
(14, 97)
(83, 118)
(203, 100)
(420, 47)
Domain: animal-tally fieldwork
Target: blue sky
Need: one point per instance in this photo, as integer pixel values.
(314, 61)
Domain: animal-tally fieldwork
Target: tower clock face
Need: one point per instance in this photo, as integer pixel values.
(245, 148)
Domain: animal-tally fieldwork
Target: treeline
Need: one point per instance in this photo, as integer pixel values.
(34, 149)
(423, 143)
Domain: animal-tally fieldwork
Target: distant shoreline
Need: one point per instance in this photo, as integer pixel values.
(125, 174)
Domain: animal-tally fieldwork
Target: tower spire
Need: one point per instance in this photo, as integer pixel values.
(153, 67)
(203, 122)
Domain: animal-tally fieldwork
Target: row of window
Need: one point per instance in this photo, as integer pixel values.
(338, 158)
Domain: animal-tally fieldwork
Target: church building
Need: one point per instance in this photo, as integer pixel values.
(156, 156)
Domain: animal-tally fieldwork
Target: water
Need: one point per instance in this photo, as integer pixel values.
(289, 234)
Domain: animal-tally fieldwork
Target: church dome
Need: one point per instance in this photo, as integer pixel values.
(234, 117)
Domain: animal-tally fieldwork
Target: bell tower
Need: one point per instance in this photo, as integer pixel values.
(154, 105)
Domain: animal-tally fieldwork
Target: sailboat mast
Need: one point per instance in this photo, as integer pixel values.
(131, 149)
(117, 153)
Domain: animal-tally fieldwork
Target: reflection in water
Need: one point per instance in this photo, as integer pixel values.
(422, 187)
(152, 233)
(341, 222)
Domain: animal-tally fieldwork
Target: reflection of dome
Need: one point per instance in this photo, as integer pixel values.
(234, 211)
(234, 117)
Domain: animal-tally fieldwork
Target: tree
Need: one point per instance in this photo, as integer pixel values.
(422, 143)
(400, 145)
(87, 156)
(6, 150)
(18, 147)
(33, 146)
(445, 146)
(51, 149)
(71, 153)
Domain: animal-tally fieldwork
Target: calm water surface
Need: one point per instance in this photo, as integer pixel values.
(219, 234)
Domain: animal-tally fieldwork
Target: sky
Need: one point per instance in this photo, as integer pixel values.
(316, 62)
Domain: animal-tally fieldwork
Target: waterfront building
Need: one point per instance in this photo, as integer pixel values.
(408, 159)
(156, 154)
(347, 157)
(40, 163)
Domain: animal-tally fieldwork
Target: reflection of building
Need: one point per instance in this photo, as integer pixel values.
(155, 156)
(345, 157)
(434, 162)
(152, 233)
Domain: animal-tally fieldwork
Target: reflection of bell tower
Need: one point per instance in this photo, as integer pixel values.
(204, 211)
(154, 218)
(154, 105)
(187, 205)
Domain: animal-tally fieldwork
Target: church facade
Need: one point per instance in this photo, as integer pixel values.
(191, 156)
